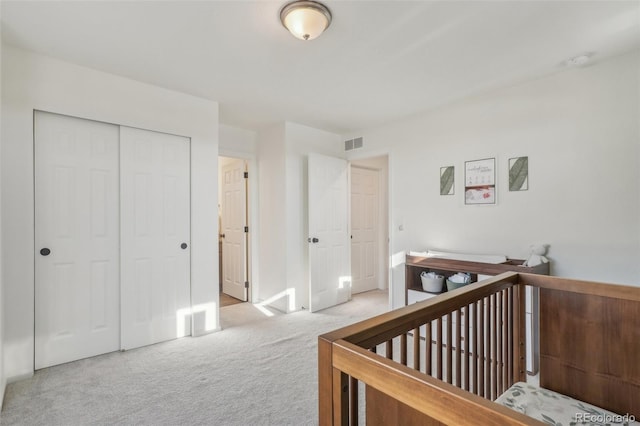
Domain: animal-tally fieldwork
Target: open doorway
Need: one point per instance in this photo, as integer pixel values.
(233, 217)
(369, 224)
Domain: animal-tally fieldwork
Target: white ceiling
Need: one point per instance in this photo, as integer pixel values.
(378, 62)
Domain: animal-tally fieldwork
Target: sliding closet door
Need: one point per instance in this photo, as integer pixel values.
(77, 267)
(155, 233)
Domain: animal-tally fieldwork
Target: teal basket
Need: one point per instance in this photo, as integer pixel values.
(452, 286)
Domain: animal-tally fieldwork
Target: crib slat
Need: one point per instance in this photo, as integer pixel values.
(353, 398)
(476, 350)
(389, 349)
(459, 349)
(520, 332)
(467, 338)
(449, 360)
(403, 349)
(510, 337)
(439, 349)
(487, 354)
(416, 348)
(494, 349)
(505, 339)
(499, 344)
(428, 347)
(480, 353)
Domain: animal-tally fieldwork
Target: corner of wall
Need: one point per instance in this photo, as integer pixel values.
(3, 379)
(272, 222)
(237, 142)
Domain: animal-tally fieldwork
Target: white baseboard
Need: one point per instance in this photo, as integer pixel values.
(5, 382)
(3, 387)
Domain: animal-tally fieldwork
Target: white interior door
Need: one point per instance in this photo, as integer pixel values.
(329, 263)
(77, 271)
(155, 233)
(233, 220)
(364, 229)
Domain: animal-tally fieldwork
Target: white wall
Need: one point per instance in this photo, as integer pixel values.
(3, 379)
(580, 130)
(236, 142)
(31, 81)
(272, 221)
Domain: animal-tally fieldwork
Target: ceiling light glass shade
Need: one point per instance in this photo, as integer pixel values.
(306, 20)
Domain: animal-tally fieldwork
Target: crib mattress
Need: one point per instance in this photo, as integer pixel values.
(556, 409)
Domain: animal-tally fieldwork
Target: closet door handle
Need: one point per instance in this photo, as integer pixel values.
(183, 246)
(45, 251)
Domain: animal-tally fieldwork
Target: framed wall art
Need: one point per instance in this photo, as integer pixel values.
(447, 180)
(480, 181)
(519, 174)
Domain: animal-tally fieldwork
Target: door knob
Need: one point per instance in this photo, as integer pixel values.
(313, 240)
(183, 246)
(45, 251)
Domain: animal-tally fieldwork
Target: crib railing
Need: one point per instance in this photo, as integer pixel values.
(443, 360)
(470, 339)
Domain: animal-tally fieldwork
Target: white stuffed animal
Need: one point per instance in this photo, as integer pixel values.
(537, 255)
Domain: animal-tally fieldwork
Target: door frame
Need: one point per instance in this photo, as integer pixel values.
(226, 164)
(252, 212)
(355, 157)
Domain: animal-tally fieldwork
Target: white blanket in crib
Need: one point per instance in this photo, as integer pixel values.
(556, 409)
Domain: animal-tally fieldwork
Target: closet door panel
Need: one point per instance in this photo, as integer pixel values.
(155, 233)
(77, 270)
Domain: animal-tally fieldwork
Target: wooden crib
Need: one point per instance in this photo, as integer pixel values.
(589, 343)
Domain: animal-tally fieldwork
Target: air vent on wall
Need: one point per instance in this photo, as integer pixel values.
(348, 145)
(353, 144)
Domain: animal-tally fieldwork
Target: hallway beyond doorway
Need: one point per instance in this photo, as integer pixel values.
(226, 300)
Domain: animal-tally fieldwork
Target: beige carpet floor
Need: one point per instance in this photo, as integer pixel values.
(260, 370)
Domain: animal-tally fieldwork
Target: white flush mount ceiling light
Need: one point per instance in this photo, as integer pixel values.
(306, 20)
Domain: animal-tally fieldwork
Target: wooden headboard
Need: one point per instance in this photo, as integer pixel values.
(590, 340)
